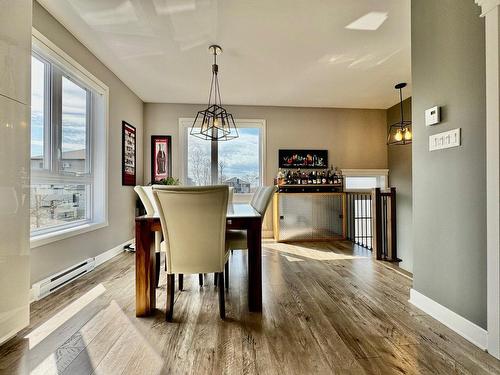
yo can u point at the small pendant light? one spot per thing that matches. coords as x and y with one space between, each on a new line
400 133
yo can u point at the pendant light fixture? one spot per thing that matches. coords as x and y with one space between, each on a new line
214 123
400 133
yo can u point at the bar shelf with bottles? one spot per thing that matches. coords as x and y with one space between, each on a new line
309 181
309 205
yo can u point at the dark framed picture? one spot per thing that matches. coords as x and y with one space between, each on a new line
128 154
161 157
303 159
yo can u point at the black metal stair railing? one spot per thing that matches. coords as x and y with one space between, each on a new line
371 222
359 219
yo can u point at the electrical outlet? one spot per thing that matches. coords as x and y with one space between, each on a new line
444 140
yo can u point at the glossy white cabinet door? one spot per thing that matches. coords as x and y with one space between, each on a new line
15 49
14 216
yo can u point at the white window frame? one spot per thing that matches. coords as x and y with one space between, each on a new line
98 138
187 123
382 183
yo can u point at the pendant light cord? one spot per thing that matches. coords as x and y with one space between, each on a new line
401 104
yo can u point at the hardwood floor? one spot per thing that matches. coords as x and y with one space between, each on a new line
327 308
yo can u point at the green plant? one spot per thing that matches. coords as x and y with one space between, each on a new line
168 181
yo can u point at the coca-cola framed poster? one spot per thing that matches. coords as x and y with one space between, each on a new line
161 157
128 154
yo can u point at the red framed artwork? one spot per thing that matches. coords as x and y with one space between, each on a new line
128 154
161 157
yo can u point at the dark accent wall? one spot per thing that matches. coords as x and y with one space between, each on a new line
399 164
449 186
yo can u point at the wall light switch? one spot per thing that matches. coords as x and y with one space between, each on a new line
445 140
433 116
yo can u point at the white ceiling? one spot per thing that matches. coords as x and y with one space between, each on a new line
276 52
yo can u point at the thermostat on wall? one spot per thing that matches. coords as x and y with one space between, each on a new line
432 116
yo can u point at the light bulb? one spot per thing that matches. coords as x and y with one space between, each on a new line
408 135
216 121
399 136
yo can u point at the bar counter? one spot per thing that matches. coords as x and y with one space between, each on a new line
309 213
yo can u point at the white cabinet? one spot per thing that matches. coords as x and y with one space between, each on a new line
15 73
15 49
14 217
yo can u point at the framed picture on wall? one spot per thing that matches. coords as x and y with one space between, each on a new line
161 157
303 158
128 154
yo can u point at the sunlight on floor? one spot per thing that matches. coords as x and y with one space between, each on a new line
41 332
108 343
289 250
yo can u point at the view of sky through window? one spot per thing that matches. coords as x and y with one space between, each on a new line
239 161
37 107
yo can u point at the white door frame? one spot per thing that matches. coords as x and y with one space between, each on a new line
490 10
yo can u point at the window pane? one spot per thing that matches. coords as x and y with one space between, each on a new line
239 164
74 127
37 113
360 182
199 172
58 204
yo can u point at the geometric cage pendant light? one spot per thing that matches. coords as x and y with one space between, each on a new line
400 133
214 123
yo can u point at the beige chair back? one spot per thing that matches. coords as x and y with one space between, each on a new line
263 199
146 201
231 195
145 194
256 195
194 221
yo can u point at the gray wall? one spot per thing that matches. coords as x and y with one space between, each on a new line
354 138
399 164
449 186
123 105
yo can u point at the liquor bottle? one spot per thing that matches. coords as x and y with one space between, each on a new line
323 177
309 178
319 178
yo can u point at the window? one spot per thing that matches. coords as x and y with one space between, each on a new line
364 179
68 145
238 163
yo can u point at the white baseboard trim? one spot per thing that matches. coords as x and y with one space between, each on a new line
111 253
99 259
465 328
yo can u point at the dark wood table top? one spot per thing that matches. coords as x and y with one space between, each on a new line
234 211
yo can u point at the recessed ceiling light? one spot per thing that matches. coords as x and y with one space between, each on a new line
371 21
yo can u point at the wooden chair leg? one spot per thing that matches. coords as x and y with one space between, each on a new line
222 306
157 268
226 275
170 296
215 279
200 279
181 281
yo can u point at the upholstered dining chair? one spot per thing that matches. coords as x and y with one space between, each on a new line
194 221
237 239
145 194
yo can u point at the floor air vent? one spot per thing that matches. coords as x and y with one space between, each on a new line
52 283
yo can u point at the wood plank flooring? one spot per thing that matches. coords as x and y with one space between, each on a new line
328 308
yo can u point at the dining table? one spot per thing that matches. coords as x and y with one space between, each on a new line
241 216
